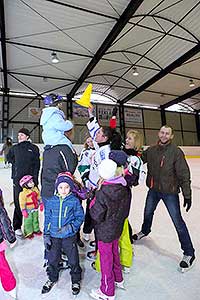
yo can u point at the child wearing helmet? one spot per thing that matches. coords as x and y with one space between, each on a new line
55 126
63 218
30 201
7 278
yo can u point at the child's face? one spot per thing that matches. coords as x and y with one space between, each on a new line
30 184
63 189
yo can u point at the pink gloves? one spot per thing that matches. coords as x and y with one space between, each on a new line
41 206
24 213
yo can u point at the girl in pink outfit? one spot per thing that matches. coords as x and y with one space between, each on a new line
109 209
7 278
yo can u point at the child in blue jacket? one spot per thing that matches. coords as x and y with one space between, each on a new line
54 124
63 218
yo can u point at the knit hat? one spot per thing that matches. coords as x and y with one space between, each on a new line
24 131
107 169
64 177
119 156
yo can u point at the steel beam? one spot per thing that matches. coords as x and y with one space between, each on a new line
119 25
3 45
181 98
177 63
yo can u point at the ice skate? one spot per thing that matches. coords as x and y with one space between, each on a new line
125 270
186 263
76 288
138 236
97 294
120 285
13 294
19 234
47 287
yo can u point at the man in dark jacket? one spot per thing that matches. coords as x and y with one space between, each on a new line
168 172
25 160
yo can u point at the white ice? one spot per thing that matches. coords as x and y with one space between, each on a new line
154 273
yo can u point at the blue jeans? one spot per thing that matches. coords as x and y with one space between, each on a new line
172 204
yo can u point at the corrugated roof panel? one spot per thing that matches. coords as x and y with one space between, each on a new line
172 84
22 21
104 67
191 22
133 37
174 12
64 17
91 36
144 75
169 50
113 8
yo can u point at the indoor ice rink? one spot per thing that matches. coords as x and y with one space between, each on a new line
155 264
141 56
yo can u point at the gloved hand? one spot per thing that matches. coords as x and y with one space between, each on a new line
65 228
24 213
41 206
187 203
114 111
47 242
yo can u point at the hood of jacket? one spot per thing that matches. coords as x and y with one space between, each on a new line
48 112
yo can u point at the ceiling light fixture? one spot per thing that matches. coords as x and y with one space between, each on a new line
135 71
191 84
54 58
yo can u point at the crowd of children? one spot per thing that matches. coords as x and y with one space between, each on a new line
108 170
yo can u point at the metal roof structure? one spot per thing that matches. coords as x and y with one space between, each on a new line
101 42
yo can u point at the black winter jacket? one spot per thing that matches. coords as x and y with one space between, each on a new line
25 160
168 170
111 208
6 230
56 159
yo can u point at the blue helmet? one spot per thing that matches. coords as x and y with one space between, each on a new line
52 98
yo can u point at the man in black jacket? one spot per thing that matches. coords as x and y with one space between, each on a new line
25 160
168 172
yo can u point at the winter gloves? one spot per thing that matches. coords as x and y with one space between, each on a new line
187 203
24 213
47 242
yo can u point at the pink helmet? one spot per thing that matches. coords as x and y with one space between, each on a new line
25 179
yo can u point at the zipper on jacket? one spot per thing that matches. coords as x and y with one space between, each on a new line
65 212
60 213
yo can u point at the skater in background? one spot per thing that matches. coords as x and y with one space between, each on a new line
7 277
5 149
63 218
30 201
25 159
109 209
105 139
168 172
84 164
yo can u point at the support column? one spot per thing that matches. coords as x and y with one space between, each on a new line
69 113
197 119
5 114
122 121
163 116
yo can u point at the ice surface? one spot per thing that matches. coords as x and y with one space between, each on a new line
154 274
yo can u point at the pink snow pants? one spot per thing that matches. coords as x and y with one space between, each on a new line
111 269
7 278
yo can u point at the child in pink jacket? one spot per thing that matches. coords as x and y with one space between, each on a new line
7 278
